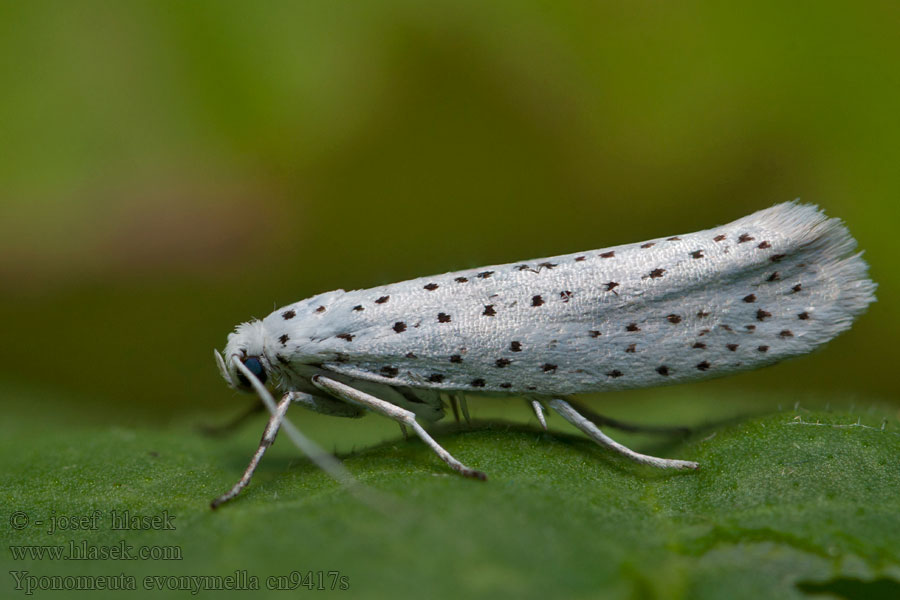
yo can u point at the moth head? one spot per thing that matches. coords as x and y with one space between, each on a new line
244 357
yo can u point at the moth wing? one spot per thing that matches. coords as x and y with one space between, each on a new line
768 286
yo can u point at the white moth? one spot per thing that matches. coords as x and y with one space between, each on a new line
766 287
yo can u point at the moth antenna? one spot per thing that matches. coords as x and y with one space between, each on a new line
220 362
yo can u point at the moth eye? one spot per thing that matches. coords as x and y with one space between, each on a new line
253 363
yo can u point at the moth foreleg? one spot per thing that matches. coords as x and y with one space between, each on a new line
571 415
268 438
401 415
229 427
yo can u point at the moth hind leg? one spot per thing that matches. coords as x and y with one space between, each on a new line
458 402
401 415
538 409
602 421
568 412
454 406
464 406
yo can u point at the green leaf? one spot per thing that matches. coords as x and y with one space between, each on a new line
787 505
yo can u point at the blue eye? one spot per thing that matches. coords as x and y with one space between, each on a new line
253 363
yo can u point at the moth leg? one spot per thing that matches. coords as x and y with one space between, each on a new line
230 426
575 418
326 405
401 415
454 405
539 413
464 405
268 438
601 421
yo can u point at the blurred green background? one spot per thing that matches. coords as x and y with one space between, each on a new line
170 169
